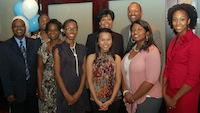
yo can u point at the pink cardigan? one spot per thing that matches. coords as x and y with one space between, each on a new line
144 66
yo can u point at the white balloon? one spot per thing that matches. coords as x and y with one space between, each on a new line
25 21
30 8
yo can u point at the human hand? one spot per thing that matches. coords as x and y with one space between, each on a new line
11 99
106 105
76 96
128 98
100 104
41 95
170 103
70 99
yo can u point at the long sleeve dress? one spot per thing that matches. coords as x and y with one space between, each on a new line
182 67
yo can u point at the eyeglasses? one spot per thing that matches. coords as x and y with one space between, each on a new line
69 29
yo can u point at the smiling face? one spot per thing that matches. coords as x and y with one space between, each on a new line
53 31
43 20
180 22
134 12
106 22
18 28
105 41
71 30
138 33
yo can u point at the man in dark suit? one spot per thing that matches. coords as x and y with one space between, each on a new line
105 18
18 73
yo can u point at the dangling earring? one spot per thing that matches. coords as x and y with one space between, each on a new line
132 41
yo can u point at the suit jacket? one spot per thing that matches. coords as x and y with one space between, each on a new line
126 36
117 39
156 37
12 68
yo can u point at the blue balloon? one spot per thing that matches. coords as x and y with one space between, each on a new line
33 23
18 9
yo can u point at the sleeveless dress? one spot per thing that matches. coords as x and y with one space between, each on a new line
48 82
71 79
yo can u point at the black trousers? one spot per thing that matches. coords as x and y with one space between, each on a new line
113 108
30 105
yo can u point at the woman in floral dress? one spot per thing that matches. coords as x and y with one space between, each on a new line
46 82
104 75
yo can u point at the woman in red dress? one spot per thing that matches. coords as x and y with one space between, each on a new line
181 78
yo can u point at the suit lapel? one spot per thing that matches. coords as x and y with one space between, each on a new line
127 36
15 47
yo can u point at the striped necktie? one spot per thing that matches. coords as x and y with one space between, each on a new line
25 59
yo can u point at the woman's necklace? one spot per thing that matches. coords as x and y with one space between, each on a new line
134 48
73 49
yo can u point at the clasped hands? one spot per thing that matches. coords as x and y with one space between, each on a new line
128 98
103 106
72 99
170 102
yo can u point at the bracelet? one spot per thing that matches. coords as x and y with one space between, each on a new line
125 91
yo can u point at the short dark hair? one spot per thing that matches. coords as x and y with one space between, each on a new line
43 14
137 4
97 48
190 11
104 12
53 21
147 28
66 22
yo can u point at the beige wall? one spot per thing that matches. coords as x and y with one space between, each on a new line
154 14
6 15
81 12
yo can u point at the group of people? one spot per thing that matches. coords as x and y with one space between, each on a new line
52 75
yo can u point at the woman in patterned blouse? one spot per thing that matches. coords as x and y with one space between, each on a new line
104 75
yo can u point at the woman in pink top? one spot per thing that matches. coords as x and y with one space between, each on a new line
141 68
181 76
